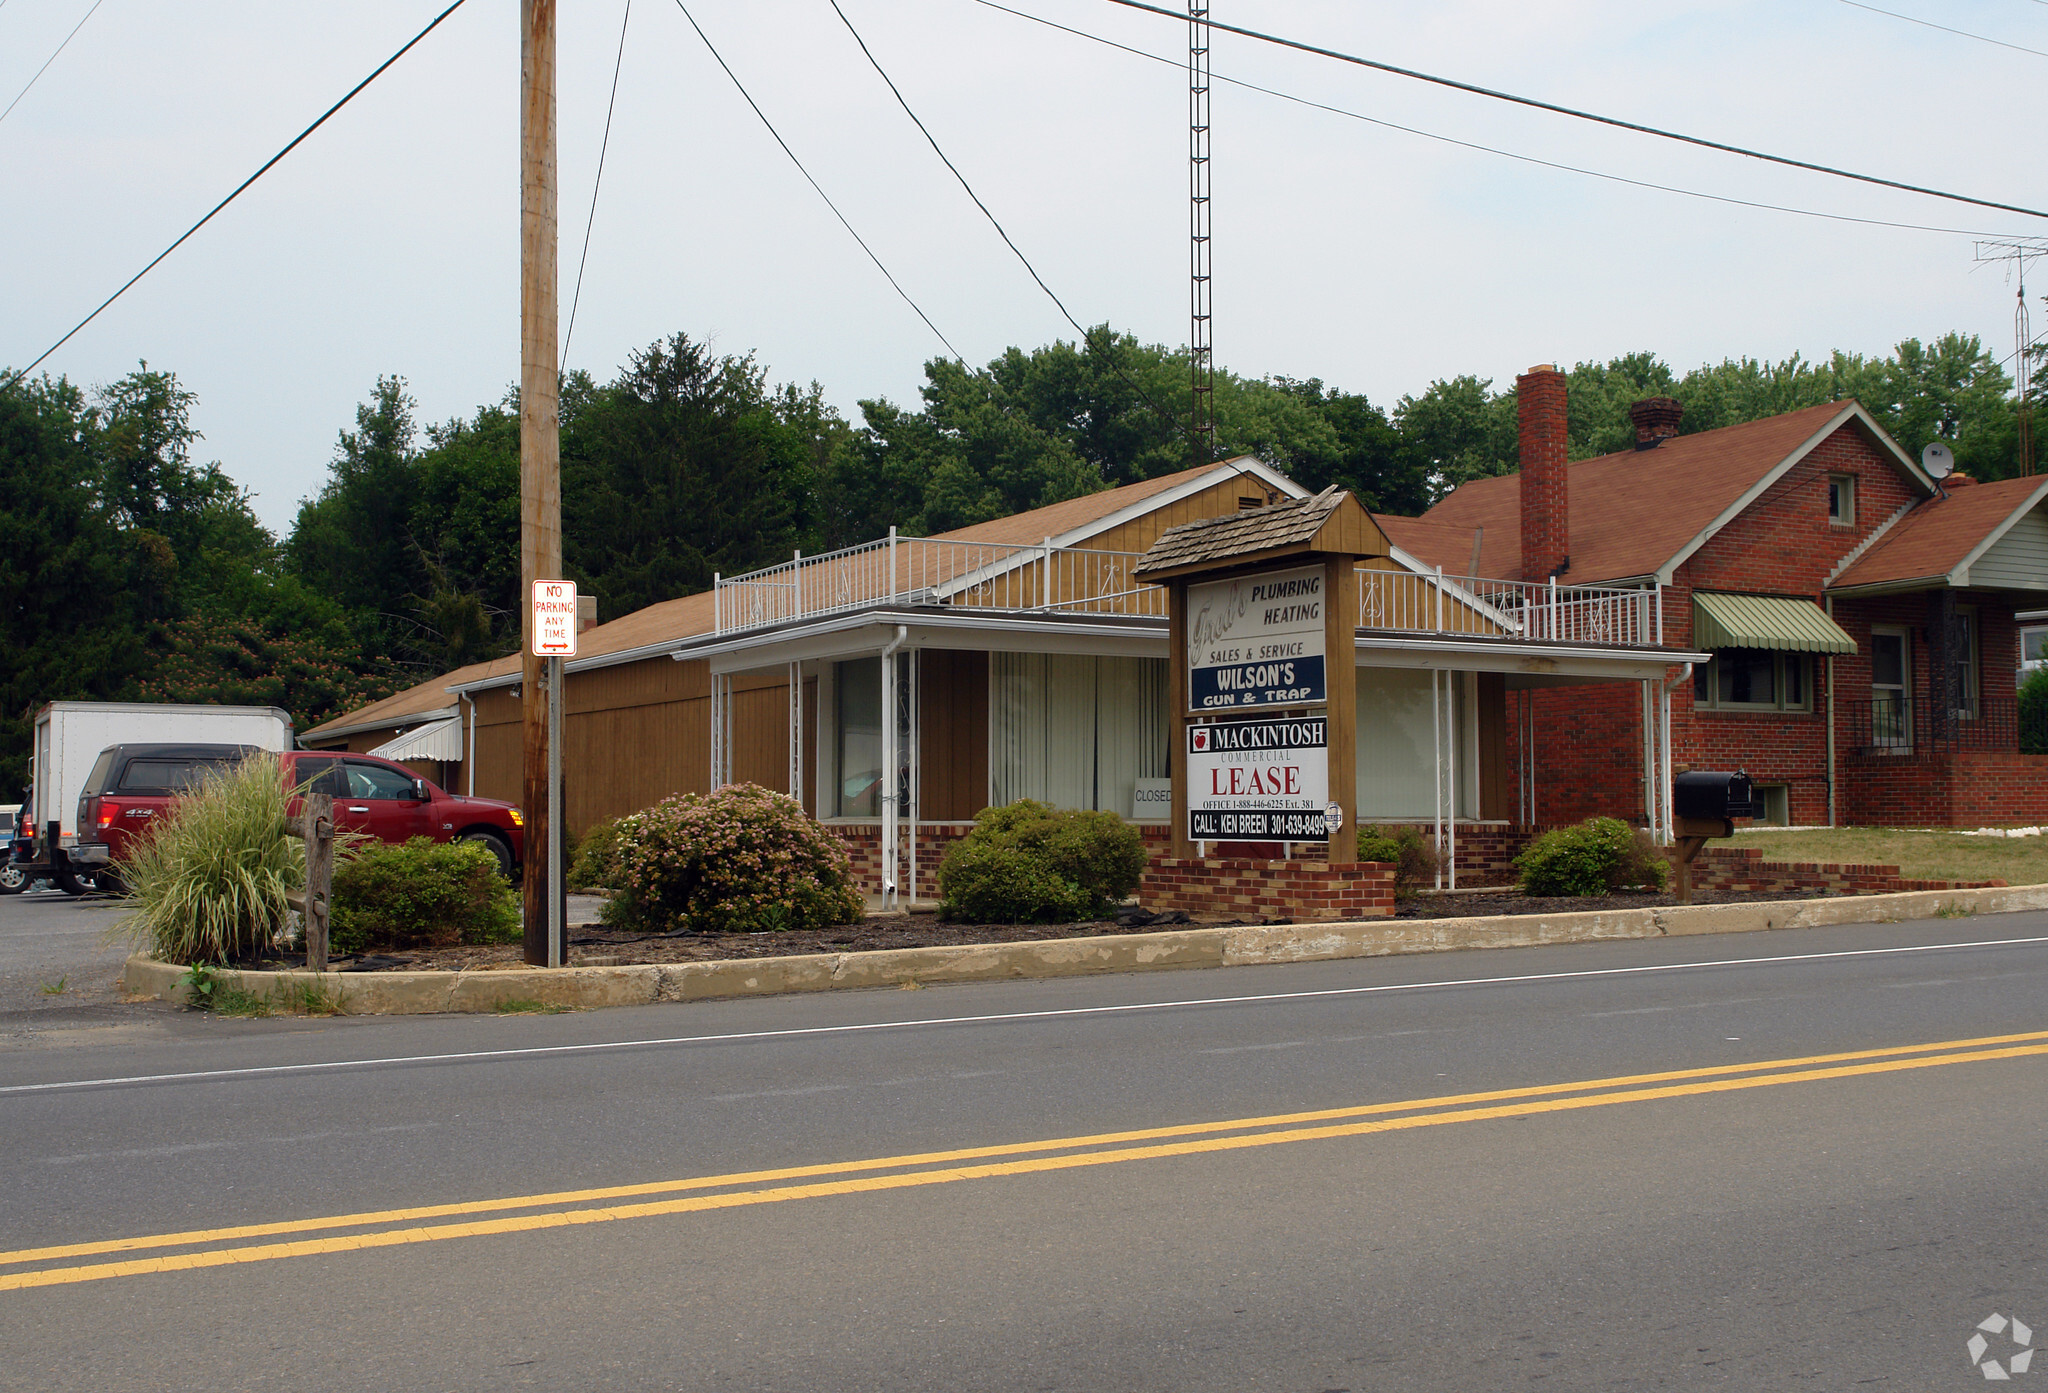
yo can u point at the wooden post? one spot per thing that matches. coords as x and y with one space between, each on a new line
317 815
1177 723
1340 679
540 472
1693 834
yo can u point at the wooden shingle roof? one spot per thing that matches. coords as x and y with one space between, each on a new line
1331 523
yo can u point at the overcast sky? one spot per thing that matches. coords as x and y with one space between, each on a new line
1374 259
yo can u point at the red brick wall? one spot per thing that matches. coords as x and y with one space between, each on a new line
1312 890
1541 426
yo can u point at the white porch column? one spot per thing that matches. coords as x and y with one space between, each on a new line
796 731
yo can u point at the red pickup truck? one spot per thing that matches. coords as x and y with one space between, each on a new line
132 784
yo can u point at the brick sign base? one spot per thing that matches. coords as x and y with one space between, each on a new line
1300 890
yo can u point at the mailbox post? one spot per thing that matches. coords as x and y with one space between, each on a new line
1706 805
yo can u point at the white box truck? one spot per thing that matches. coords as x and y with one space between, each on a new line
70 735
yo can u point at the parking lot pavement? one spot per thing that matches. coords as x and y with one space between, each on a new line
59 960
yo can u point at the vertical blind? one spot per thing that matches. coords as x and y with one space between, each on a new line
1074 731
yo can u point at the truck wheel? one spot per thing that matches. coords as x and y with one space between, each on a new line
500 848
13 879
107 883
70 882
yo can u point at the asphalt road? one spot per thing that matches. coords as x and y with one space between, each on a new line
1434 1172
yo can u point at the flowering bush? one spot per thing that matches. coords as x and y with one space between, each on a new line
1026 863
741 860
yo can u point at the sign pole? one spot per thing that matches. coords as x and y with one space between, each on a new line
1340 648
558 936
540 462
1177 699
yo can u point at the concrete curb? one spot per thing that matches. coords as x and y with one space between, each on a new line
585 988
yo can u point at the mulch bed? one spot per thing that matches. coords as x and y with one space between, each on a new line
591 944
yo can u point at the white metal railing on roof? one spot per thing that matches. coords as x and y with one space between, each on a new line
1045 578
1540 611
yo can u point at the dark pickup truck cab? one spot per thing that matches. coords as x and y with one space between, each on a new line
132 785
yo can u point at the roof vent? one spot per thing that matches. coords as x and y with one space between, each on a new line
1656 420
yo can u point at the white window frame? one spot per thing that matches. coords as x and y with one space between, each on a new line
1777 706
1845 516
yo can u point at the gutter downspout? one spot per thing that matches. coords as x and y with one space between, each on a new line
469 762
1834 819
892 861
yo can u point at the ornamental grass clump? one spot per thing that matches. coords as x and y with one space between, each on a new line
1026 863
741 860
207 881
1591 858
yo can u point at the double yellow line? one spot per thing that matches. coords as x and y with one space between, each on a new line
388 1228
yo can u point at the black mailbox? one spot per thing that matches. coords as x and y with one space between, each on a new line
1702 794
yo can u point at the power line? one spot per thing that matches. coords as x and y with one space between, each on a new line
1960 33
1086 336
51 59
1595 117
814 183
597 183
1492 149
239 188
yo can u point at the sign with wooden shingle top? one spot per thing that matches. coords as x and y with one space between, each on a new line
1332 523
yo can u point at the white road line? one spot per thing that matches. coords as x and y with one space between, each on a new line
533 1051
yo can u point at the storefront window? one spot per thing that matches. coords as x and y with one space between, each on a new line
1075 731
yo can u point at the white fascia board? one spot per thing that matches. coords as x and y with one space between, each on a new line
1453 656
399 723
1960 576
1852 412
1888 587
865 633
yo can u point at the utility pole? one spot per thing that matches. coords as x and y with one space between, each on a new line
540 444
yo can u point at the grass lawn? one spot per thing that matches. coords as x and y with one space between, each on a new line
1931 855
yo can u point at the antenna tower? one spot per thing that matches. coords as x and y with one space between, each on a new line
1201 363
2023 335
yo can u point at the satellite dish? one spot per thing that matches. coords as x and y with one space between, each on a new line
1938 460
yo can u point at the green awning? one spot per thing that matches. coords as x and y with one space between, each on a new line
1764 621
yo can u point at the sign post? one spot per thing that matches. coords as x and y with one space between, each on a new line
553 626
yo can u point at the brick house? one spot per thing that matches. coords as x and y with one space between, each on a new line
1860 615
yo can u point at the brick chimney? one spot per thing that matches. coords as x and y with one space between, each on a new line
1540 422
1656 421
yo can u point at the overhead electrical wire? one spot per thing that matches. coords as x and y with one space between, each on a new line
1179 63
597 183
51 59
1959 33
1085 334
296 140
1577 114
814 183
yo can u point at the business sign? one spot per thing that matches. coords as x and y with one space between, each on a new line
1259 780
1256 641
554 619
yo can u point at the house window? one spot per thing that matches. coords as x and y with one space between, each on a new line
1966 665
1842 499
1752 679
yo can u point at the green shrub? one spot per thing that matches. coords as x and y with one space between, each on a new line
2034 713
1413 858
741 860
421 895
1591 858
595 864
207 881
1026 863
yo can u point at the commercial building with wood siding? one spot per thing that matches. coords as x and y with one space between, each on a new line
1025 661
